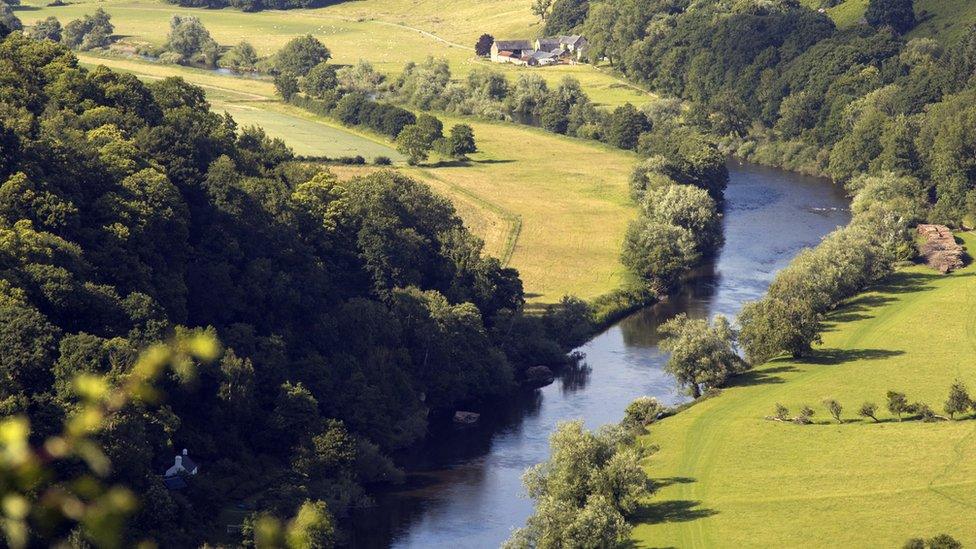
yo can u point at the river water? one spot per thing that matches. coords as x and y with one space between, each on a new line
464 489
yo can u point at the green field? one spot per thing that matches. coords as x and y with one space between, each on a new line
731 478
387 33
944 20
553 207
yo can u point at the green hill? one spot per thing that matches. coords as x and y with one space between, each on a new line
732 478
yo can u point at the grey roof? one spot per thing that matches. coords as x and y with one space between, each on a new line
174 482
548 44
570 40
189 464
511 45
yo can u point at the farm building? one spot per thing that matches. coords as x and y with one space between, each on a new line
542 51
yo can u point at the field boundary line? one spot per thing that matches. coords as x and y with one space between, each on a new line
514 220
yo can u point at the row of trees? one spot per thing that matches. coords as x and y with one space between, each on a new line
90 32
351 312
256 5
958 402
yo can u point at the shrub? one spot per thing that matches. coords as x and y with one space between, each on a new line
805 416
382 161
834 408
959 400
897 403
868 409
782 412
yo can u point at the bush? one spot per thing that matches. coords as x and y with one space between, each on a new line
382 161
868 409
834 408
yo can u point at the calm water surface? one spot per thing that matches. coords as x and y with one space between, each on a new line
464 489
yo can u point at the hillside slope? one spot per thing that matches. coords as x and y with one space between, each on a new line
732 478
944 20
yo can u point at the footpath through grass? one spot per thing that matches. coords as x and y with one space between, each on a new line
732 479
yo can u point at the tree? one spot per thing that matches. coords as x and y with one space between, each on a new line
625 125
461 141
959 400
190 39
702 356
241 57
413 142
868 409
834 408
688 207
584 492
300 55
312 527
657 254
772 326
92 31
565 16
897 14
431 127
483 47
286 84
943 541
8 20
541 8
47 29
897 403
320 80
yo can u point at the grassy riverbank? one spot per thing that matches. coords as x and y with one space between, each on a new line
731 478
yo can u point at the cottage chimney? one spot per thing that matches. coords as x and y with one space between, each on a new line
184 451
179 461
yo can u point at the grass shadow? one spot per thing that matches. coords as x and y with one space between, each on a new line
839 356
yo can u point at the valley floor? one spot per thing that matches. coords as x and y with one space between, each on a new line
731 478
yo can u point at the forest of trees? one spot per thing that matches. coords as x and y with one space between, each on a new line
784 86
350 313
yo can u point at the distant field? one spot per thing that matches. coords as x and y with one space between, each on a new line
388 33
733 479
555 208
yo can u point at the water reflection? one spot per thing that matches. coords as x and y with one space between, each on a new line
464 485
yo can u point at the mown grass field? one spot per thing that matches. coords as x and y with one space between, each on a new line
553 207
732 479
387 33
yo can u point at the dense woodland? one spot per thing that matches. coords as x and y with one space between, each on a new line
351 313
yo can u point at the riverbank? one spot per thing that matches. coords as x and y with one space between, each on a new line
466 483
728 477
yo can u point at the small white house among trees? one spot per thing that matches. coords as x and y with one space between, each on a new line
541 51
182 465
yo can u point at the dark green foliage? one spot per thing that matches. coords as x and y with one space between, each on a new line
286 84
897 14
47 29
483 47
320 81
626 124
348 310
9 22
565 16
92 31
300 55
460 142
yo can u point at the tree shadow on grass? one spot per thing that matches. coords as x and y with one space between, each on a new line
904 282
494 161
839 356
765 376
675 510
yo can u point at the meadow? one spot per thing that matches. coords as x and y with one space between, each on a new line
387 33
560 223
729 477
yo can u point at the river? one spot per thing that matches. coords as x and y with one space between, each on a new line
464 489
